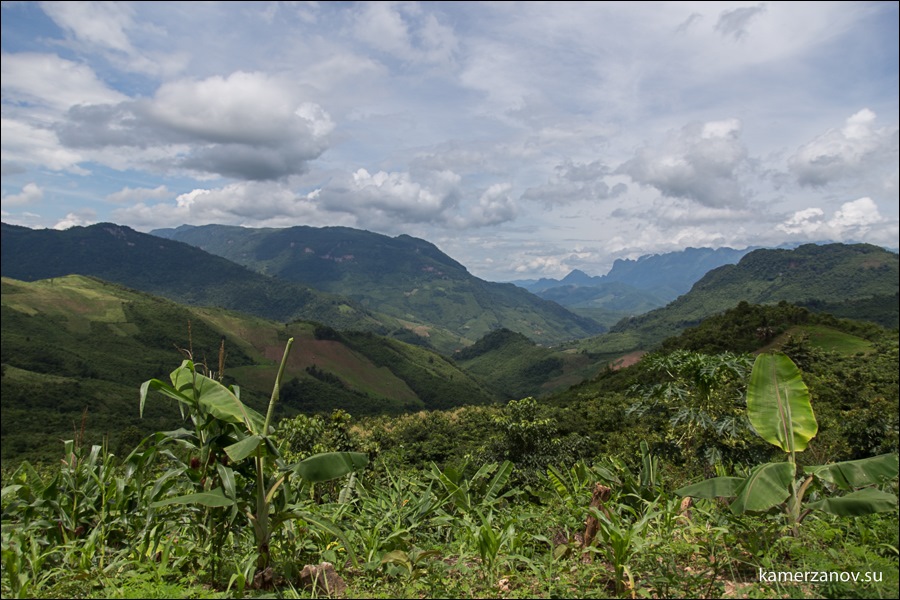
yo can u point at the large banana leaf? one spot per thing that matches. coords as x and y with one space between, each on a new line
213 498
330 465
193 389
766 486
854 474
717 487
778 403
863 502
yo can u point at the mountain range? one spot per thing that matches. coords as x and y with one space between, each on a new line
345 278
403 277
85 321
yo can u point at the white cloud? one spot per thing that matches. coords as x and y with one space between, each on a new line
387 198
849 152
246 126
30 194
241 203
51 81
851 222
495 206
699 162
23 144
79 219
101 24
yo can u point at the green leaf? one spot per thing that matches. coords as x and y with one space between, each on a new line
766 486
853 474
244 448
330 465
717 487
863 502
778 403
498 481
217 399
213 498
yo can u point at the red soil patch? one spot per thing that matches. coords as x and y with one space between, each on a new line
627 360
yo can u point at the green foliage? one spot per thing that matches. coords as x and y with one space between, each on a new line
779 409
237 441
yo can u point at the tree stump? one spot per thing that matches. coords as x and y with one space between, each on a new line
599 497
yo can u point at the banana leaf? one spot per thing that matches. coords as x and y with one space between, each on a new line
778 403
862 502
854 474
717 487
213 498
330 465
766 486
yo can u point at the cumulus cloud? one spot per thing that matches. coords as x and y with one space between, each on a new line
392 197
856 148
247 126
700 162
852 221
77 219
31 194
495 206
239 203
575 182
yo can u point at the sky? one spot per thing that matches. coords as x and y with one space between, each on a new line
525 140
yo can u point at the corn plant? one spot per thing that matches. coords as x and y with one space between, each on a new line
779 409
232 439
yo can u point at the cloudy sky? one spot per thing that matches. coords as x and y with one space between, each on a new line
524 140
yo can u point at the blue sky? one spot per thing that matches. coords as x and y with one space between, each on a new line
523 139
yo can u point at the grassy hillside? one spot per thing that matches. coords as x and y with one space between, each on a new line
74 344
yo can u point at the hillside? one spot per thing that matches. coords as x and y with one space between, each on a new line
516 367
407 278
74 344
173 270
830 275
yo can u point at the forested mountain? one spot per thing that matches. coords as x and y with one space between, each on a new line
404 277
837 276
72 344
173 270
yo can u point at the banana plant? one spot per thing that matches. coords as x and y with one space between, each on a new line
223 423
779 409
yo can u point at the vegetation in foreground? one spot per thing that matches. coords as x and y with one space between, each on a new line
527 513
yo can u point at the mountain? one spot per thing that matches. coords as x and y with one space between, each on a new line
170 269
76 345
405 277
829 275
633 286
